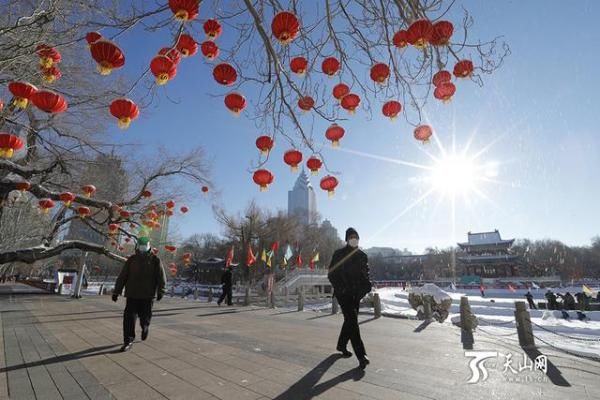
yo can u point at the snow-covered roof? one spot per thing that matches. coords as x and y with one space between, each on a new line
485 239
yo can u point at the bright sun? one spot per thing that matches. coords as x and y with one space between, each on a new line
454 174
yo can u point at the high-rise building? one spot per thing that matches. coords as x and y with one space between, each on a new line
302 201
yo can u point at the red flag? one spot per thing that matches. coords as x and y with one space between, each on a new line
275 246
511 288
229 257
250 258
299 261
311 265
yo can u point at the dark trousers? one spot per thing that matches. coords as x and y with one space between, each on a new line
531 304
350 330
226 293
136 308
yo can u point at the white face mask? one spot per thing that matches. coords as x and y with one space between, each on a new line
144 247
353 242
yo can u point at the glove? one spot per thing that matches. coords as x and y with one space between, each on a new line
159 296
115 297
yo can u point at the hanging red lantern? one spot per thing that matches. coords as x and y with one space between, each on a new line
400 39
184 10
113 228
124 214
146 194
22 92
108 56
67 198
184 209
380 73
51 74
45 205
285 27
340 90
391 109
173 54
9 144
350 102
442 32
163 69
298 65
419 33
49 101
186 45
23 186
170 204
212 28
263 178
225 74
115 208
169 213
92 37
210 50
83 212
330 66
314 164
306 103
204 189
170 248
440 77
125 110
89 190
423 133
463 69
264 144
445 91
329 183
292 158
48 55
335 133
235 103
1 105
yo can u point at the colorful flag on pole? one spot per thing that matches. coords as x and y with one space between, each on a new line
534 285
270 253
288 253
269 262
313 260
250 257
275 246
284 262
263 255
299 260
587 290
229 259
511 288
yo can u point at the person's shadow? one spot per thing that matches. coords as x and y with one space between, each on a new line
308 387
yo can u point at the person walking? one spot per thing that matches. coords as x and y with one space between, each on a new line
143 278
529 297
227 282
349 277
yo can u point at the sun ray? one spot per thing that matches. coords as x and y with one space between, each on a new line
382 158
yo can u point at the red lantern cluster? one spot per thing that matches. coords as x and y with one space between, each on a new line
67 198
225 74
51 74
83 212
400 39
391 109
299 65
330 66
45 205
163 69
340 90
170 248
442 32
329 183
264 144
146 194
212 28
305 103
92 37
419 33
89 190
285 27
49 101
441 77
113 228
173 54
187 259
186 45
335 133
107 55
184 10
235 103
23 186
204 189
444 91
463 69
9 144
22 92
210 50
350 102
263 178
184 209
48 55
292 158
380 73
423 133
170 204
314 164
125 110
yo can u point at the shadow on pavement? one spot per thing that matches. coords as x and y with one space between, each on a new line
120 315
553 373
366 321
308 387
320 316
423 325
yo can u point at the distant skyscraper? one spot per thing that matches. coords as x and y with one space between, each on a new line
302 201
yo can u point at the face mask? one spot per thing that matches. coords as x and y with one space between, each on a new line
353 242
144 247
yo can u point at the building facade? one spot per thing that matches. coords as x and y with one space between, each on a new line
302 201
487 255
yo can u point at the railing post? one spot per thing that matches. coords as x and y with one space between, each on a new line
285 294
210 295
272 299
247 296
334 304
301 299
427 306
100 291
524 329
377 305
195 293
466 326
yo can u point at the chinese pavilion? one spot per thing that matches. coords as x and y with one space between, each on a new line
487 255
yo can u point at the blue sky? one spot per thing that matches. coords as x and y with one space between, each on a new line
540 111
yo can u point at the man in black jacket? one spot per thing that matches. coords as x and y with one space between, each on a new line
143 277
349 276
227 281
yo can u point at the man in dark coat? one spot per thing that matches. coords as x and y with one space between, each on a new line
529 297
551 297
227 282
143 277
349 276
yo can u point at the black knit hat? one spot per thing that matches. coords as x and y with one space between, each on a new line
351 232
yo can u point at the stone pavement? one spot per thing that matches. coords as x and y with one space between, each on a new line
59 348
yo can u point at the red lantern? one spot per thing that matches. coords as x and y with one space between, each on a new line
314 164
23 186
45 205
463 69
1 105
113 228
263 178
391 109
155 251
204 189
170 248
146 194
67 198
163 68
340 90
173 54
235 103
335 133
89 190
380 73
264 144
84 212
170 204
400 39
210 50
298 65
51 74
330 66
22 92
292 158
423 133
125 110
184 10
169 213
49 101
184 209
9 144
48 55
445 91
186 45
124 214
329 183
350 102
419 33
212 28
306 103
440 77
127 240
225 74
285 27
108 56
442 32
92 37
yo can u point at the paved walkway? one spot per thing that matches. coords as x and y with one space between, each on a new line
59 348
